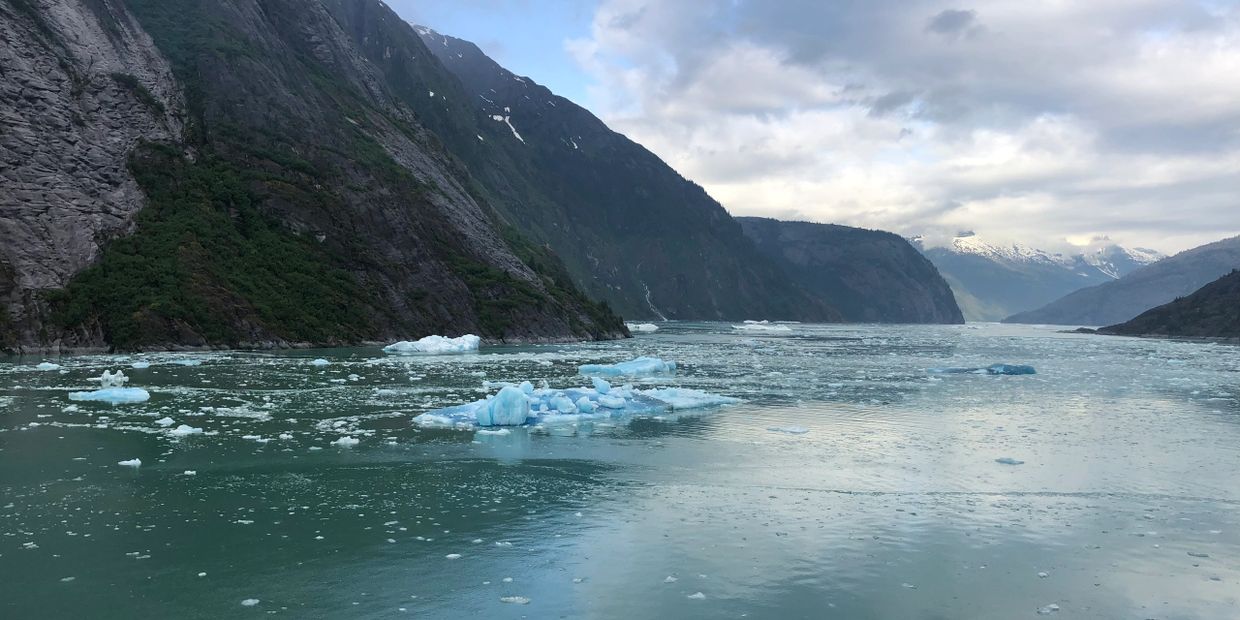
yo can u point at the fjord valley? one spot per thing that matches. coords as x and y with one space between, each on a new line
619 309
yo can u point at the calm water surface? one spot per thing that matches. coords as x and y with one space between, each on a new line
889 504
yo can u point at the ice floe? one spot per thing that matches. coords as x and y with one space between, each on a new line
112 390
130 463
435 345
47 366
319 362
1007 460
994 369
642 328
639 367
761 326
515 406
346 442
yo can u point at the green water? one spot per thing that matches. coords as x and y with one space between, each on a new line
889 504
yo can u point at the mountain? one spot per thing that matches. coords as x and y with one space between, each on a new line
992 281
871 276
630 229
239 173
1145 288
1211 312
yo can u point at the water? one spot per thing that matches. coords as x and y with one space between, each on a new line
878 494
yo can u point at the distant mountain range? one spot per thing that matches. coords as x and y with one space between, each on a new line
870 275
992 281
1151 286
1211 312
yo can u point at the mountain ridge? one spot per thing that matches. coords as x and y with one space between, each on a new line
1212 312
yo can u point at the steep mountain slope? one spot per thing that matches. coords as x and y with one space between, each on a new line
302 202
629 228
870 275
1211 312
1145 288
993 281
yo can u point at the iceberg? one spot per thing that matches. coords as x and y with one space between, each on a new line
141 365
761 326
47 366
184 430
546 405
319 362
642 328
994 369
435 345
640 367
113 391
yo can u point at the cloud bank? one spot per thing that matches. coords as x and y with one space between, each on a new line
1038 121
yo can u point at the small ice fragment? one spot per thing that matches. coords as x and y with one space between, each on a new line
140 365
435 345
1048 610
67 579
319 362
131 463
791 430
190 472
202 574
47 366
697 596
669 579
644 328
165 421
601 385
611 402
1198 554
453 556
249 602
526 388
346 442
1043 575
185 429
1007 460
909 586
515 600
285 436
493 431
585 406
761 326
506 580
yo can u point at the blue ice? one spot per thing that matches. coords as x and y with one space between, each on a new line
994 369
640 367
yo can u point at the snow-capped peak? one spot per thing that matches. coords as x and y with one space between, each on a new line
968 242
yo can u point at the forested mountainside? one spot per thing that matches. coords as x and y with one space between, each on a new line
1212 312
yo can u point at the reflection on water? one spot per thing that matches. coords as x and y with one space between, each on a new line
887 502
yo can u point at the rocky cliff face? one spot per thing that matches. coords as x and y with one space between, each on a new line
630 229
871 276
299 200
80 85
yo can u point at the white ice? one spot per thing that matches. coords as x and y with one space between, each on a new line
435 345
131 463
184 430
112 391
47 366
644 328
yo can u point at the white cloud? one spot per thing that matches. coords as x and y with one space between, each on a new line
1032 120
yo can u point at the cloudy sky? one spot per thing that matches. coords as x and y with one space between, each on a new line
1024 120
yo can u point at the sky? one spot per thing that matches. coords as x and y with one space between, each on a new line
1049 122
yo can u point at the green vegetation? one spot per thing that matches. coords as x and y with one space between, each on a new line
204 260
138 90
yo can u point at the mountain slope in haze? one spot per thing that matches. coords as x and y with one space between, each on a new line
1211 312
1145 288
630 229
993 281
277 191
871 276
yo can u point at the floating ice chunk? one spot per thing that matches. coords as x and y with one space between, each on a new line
697 596
526 388
644 328
249 602
191 472
791 430
496 431
453 556
563 404
112 391
165 421
1043 575
684 398
995 369
184 430
1007 460
140 365
761 326
514 600
640 367
189 362
319 362
585 406
510 407
47 366
611 402
1048 610
670 579
601 385
346 442
131 463
435 345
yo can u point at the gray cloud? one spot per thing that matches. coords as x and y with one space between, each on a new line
1031 120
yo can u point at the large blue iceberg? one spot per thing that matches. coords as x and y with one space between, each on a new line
516 405
640 367
995 369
